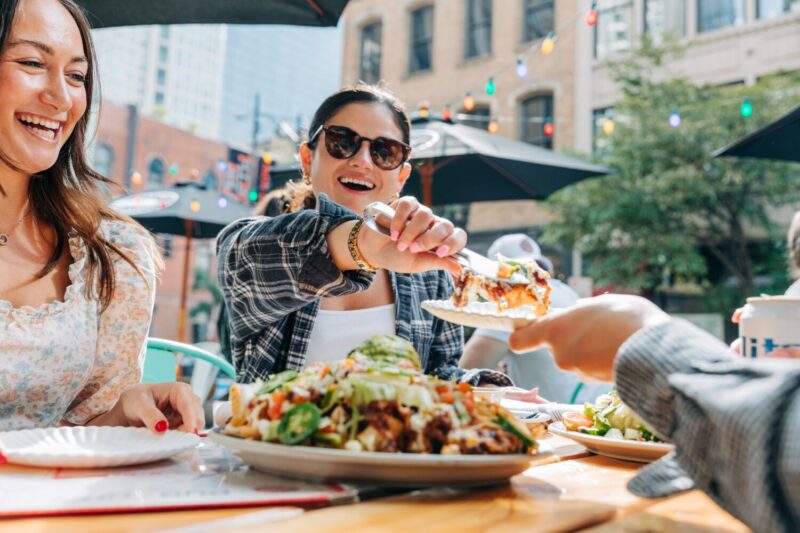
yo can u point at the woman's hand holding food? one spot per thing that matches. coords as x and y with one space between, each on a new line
420 241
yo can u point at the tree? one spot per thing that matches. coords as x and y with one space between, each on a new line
670 208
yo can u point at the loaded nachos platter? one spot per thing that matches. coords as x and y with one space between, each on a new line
375 408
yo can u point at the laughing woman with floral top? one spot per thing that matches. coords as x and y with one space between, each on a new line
78 280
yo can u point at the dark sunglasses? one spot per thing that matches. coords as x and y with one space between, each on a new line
344 143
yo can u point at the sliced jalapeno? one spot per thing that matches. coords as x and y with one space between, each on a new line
299 423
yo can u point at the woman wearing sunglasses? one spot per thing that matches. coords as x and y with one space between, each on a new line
311 284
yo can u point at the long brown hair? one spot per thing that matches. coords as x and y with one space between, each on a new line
302 192
66 196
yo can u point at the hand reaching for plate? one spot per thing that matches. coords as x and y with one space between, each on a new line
157 406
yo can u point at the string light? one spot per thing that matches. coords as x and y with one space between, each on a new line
549 128
266 157
609 125
493 126
674 118
195 206
253 196
469 102
222 202
746 110
136 178
174 169
592 15
490 88
447 113
522 68
549 43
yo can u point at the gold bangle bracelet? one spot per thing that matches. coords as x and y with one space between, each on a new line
355 253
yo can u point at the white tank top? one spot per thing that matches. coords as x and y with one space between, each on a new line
335 333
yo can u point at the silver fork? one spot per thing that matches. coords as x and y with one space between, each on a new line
472 260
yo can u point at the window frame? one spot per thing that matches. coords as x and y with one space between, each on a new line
362 56
471 28
542 6
415 41
525 119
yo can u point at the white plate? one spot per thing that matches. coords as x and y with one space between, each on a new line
91 447
394 469
480 314
629 450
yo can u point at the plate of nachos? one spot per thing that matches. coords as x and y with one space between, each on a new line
375 417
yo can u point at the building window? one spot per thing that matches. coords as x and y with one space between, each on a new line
161 77
535 112
716 14
155 172
478 28
370 71
421 39
210 180
159 98
602 128
163 53
164 241
612 33
477 118
664 17
770 9
165 32
538 20
103 160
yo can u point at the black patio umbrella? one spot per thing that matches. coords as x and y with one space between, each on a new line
454 163
187 209
108 13
777 140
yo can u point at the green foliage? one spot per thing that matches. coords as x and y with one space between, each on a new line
668 198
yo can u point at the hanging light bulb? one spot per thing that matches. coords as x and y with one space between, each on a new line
469 102
222 202
609 125
549 43
549 129
591 15
253 196
522 68
136 178
746 110
424 109
674 118
493 126
447 113
194 206
490 87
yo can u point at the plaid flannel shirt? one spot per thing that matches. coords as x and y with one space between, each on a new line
273 273
735 422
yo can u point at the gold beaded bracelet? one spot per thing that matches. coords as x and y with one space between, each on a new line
355 253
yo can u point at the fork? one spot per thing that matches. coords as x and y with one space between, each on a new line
468 259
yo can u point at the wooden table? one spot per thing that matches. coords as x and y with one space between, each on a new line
569 490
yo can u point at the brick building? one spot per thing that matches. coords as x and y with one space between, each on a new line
138 153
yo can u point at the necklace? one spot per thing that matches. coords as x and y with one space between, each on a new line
4 236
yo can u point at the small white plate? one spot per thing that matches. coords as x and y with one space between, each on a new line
629 450
480 314
393 469
91 447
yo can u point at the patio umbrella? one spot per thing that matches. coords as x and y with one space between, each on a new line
187 209
777 140
454 163
108 13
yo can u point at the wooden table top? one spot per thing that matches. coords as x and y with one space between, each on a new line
571 490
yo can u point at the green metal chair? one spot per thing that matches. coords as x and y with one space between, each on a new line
160 365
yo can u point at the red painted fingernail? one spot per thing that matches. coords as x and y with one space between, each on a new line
161 426
3 459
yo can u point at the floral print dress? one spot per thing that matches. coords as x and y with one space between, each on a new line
65 361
